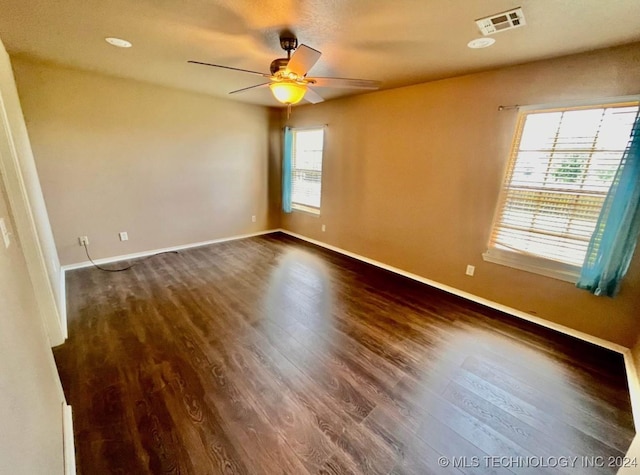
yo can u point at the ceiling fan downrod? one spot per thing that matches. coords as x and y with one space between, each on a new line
289 44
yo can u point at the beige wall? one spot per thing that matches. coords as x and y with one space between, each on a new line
30 394
411 178
411 175
167 166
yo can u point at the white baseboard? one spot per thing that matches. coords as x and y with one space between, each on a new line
69 450
632 375
110 260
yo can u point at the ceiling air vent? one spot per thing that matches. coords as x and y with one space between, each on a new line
501 21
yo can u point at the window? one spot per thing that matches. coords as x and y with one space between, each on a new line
306 169
562 164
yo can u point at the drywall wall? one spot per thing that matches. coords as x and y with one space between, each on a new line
25 195
167 166
411 178
30 393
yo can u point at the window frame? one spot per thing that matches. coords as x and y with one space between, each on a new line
539 265
301 207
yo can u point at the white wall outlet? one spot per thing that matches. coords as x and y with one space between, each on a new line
253 218
6 235
124 236
324 227
470 270
83 240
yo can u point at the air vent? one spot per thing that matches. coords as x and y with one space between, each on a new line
501 21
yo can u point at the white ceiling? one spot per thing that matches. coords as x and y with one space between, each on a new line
398 42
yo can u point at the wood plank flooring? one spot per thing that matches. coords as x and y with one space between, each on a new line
272 356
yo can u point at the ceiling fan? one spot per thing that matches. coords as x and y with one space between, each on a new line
288 80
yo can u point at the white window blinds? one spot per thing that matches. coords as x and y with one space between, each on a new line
306 182
562 164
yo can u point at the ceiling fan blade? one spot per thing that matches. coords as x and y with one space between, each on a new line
250 87
344 82
302 60
312 96
232 69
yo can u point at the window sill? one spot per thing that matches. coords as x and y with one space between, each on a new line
306 209
536 265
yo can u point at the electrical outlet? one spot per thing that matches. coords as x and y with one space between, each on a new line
470 270
5 233
124 236
324 228
83 240
253 218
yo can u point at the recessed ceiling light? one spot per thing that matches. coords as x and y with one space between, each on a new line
119 42
481 43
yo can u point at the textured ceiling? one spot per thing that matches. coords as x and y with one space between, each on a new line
398 42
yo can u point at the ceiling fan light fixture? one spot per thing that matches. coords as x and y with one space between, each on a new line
288 80
288 92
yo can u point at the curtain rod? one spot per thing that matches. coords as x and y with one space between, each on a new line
507 108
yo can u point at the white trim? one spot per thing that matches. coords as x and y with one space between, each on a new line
27 231
632 455
474 298
68 445
310 210
63 303
310 127
536 265
634 386
109 260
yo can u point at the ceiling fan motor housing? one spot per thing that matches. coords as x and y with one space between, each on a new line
279 64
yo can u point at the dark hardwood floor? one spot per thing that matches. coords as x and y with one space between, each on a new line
269 356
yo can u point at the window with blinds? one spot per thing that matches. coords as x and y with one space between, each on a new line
306 180
562 164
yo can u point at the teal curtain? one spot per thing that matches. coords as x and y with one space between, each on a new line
287 158
614 240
